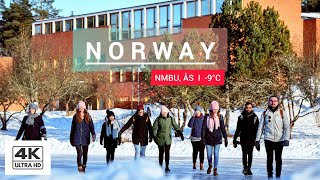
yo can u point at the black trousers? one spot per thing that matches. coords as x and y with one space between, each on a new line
164 150
110 154
197 146
277 147
247 150
82 151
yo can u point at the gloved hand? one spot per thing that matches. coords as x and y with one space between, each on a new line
150 139
93 138
119 141
181 135
235 144
226 142
101 143
257 145
44 136
285 143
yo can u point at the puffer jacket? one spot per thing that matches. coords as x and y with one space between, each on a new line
273 126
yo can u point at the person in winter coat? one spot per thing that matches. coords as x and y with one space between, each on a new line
32 126
162 130
81 128
212 131
195 123
247 127
109 135
275 126
141 126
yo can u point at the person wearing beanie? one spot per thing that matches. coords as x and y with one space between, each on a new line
81 127
162 130
141 127
247 127
32 126
109 135
213 129
195 123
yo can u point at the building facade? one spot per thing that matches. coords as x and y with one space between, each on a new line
148 21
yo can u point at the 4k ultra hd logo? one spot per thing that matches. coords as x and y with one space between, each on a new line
28 158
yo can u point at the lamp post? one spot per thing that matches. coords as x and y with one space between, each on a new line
140 67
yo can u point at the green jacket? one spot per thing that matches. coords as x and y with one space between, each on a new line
162 130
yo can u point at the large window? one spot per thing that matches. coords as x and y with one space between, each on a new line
91 22
38 29
102 20
177 15
58 26
115 75
80 22
205 7
219 5
151 21
69 25
48 28
126 25
138 23
126 74
114 26
164 19
192 9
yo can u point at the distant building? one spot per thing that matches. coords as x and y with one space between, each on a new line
152 20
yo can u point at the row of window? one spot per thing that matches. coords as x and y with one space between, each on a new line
151 19
125 75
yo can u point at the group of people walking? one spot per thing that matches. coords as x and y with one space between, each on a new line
207 132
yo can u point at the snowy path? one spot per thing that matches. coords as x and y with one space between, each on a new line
126 168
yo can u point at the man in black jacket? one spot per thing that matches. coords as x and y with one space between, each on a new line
247 127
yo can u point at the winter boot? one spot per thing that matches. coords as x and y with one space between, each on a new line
84 168
80 169
245 171
167 169
215 172
194 165
249 172
201 166
209 169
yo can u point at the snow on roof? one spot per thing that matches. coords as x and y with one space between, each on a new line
310 15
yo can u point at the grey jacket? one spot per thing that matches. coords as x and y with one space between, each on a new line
273 126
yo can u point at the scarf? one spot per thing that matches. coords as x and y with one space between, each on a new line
30 119
115 130
213 123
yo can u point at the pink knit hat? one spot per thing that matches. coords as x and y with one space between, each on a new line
214 105
164 109
80 105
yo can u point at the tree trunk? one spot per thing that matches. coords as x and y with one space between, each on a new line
4 120
185 114
227 116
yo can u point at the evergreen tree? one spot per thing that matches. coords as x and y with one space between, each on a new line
16 18
43 9
310 6
253 35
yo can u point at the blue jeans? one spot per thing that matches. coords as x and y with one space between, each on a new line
216 154
140 151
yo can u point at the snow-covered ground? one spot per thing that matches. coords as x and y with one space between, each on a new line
305 142
303 152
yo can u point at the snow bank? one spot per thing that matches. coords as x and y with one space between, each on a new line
305 142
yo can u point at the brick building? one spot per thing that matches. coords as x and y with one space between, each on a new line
152 20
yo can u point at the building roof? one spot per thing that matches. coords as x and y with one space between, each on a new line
310 15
